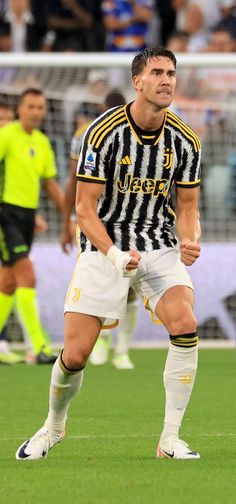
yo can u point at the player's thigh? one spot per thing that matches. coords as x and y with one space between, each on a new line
81 333
175 310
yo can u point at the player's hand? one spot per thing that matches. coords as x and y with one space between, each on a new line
125 262
135 259
40 225
189 251
67 238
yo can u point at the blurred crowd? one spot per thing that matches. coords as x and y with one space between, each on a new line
117 25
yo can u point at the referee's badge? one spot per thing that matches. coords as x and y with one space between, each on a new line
32 152
168 158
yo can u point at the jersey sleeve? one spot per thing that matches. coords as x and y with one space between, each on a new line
50 169
189 173
91 166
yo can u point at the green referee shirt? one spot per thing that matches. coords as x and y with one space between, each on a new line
25 159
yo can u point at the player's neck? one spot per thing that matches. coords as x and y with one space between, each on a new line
28 129
146 117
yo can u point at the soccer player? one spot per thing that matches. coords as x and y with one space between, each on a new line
101 351
27 158
6 356
126 240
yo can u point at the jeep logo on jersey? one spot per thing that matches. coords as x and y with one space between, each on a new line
168 158
146 186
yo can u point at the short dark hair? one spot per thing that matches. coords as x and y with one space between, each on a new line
29 91
114 99
142 58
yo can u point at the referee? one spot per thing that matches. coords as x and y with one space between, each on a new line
26 158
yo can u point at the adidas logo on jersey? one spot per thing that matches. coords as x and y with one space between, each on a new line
125 161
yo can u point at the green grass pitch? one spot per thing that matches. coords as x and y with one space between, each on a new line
108 455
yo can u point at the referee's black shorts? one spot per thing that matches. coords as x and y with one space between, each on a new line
16 232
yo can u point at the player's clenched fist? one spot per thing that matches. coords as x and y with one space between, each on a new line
125 262
189 251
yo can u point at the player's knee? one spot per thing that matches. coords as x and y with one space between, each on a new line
185 324
7 284
24 273
30 278
75 359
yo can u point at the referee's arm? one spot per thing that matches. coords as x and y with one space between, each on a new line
54 192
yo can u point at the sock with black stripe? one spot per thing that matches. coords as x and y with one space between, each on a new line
179 376
64 386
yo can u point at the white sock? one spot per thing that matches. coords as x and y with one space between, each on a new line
63 387
179 376
126 328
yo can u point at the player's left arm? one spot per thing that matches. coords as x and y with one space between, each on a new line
188 223
54 192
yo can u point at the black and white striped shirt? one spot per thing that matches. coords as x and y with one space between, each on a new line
138 169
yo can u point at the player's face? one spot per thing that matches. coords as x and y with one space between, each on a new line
32 111
6 116
157 82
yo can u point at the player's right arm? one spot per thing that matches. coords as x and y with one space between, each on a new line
87 197
92 173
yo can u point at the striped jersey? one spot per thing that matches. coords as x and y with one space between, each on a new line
138 170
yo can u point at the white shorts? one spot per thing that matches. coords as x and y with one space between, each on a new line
96 287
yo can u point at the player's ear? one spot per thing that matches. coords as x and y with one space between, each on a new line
137 82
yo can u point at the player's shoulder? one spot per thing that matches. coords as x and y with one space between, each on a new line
105 125
9 128
185 131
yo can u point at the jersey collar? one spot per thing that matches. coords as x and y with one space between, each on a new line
143 137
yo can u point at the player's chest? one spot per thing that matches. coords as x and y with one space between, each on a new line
29 153
146 169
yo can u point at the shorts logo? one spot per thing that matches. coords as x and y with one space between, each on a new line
20 248
168 158
145 186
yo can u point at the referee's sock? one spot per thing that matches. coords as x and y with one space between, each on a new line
27 309
6 306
